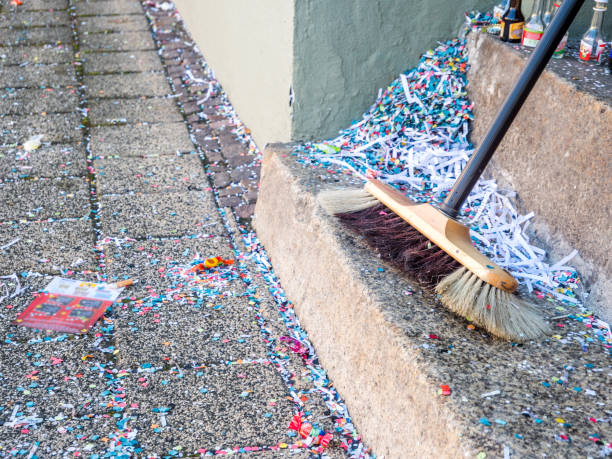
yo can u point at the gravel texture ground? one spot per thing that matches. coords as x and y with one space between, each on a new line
138 177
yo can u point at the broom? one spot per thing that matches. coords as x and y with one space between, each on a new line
430 244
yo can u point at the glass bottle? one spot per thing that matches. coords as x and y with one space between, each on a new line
593 42
534 27
549 11
512 23
560 51
499 10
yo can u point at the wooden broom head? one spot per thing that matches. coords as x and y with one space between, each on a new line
448 234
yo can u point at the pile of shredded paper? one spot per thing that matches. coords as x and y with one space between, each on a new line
415 137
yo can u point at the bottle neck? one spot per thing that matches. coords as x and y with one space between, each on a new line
537 7
598 16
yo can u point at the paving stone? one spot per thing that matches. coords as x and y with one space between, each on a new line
121 111
140 140
112 24
63 437
170 54
178 83
85 8
37 101
230 201
47 247
38 18
217 331
212 156
129 85
202 135
36 36
167 22
135 61
148 175
42 199
194 118
239 160
245 211
175 70
175 45
56 385
55 128
47 161
36 76
190 108
231 146
31 5
159 215
50 391
48 54
230 191
221 180
237 405
151 262
251 196
201 129
123 41
207 142
246 175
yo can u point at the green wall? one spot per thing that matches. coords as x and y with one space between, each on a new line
345 50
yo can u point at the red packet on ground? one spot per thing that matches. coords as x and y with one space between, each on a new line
68 305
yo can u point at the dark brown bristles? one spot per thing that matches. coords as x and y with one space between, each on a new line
400 244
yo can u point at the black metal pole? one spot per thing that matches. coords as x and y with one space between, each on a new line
513 103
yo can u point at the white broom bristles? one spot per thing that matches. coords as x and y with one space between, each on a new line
346 200
501 313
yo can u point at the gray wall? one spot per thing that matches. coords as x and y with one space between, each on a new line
345 50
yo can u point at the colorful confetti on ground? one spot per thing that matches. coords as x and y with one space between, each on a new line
195 359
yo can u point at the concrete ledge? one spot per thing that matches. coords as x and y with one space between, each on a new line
556 156
376 340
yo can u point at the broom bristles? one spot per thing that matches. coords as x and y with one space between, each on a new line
399 243
346 201
499 312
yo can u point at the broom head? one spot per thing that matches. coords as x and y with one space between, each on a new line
421 240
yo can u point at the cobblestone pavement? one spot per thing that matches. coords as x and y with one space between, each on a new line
143 172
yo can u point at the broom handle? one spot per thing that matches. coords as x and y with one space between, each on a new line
513 103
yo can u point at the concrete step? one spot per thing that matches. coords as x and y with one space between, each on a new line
557 155
389 345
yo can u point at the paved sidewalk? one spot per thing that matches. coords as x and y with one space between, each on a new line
144 171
